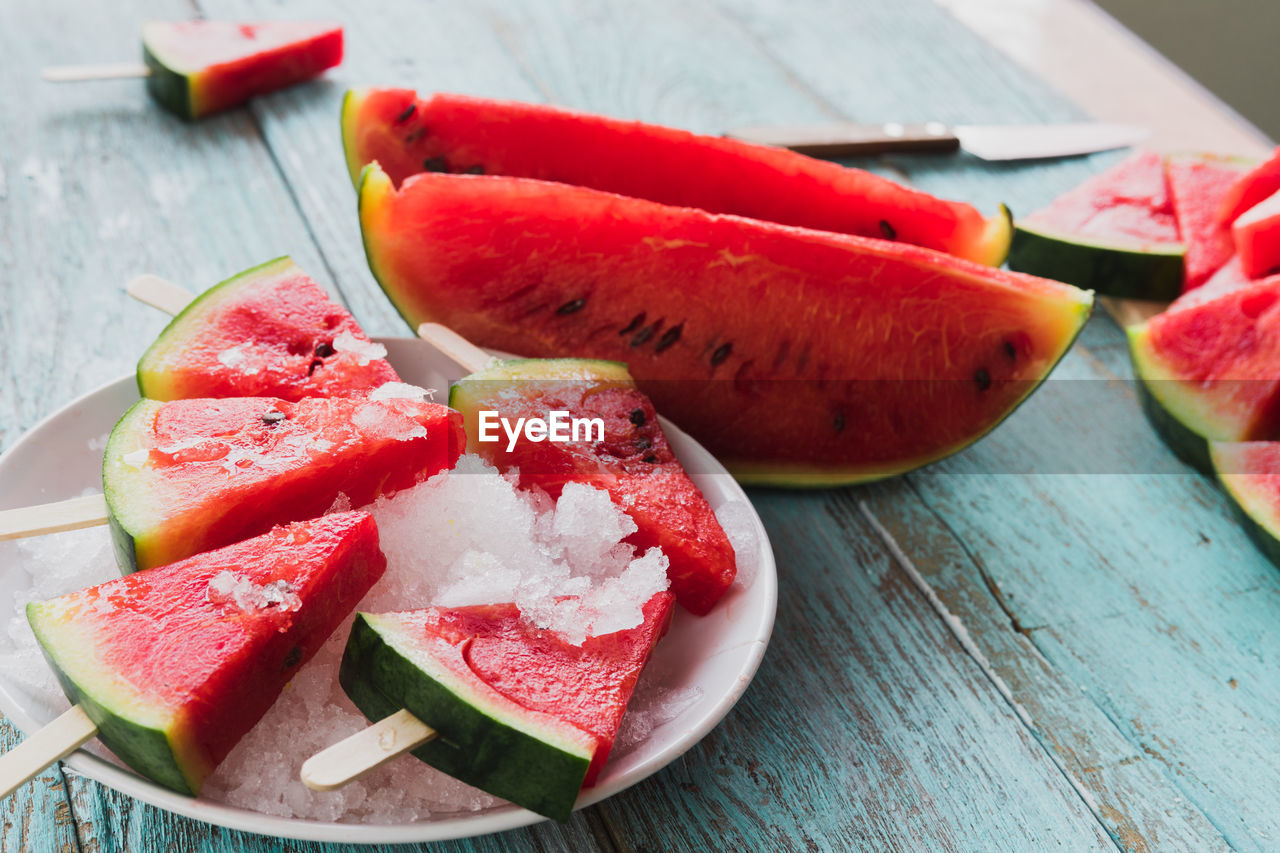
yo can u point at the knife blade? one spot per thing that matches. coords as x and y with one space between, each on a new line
989 142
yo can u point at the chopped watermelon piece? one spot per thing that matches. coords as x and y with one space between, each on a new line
176 664
1257 237
1198 185
455 133
189 475
797 357
1114 233
1250 473
1209 369
520 713
268 332
1259 183
202 67
629 458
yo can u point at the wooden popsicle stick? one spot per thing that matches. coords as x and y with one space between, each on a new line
160 293
455 346
53 742
349 759
104 71
73 514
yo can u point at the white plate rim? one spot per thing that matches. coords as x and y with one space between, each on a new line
464 825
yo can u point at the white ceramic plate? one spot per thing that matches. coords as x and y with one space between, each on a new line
717 653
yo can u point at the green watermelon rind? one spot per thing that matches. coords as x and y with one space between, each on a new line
517 369
530 758
1152 272
142 744
171 89
1257 515
186 324
123 486
351 102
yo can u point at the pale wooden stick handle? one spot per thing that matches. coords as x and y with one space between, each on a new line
160 293
349 759
55 741
455 346
74 514
105 71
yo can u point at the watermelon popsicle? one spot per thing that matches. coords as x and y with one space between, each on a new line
479 693
195 68
171 667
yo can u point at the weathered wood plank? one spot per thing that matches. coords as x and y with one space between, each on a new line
37 816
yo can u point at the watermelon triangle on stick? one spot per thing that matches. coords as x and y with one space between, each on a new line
171 667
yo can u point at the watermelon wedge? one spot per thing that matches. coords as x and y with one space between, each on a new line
268 332
629 458
1115 233
1208 369
1250 473
798 357
202 67
1256 234
1198 185
176 664
189 475
1250 189
407 134
520 713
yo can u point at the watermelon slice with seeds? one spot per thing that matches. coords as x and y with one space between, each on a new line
268 332
628 458
520 712
188 475
176 664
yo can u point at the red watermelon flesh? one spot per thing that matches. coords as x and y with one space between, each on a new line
1256 234
588 685
188 475
176 664
406 135
201 67
633 462
798 357
1128 203
1198 185
1252 188
268 332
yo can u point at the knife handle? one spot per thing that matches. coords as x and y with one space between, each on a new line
845 139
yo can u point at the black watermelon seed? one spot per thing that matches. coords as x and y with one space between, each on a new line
293 658
889 232
669 337
435 164
407 114
637 417
643 443
324 349
650 458
633 325
721 353
414 135
473 170
1010 350
839 422
643 335
983 378
571 306
272 417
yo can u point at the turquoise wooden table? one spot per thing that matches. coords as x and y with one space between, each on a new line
1055 640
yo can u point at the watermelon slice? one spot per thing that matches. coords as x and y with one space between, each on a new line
268 332
1198 184
1258 184
1256 234
455 133
189 475
1114 233
798 357
1250 473
1208 369
520 713
629 458
176 664
202 67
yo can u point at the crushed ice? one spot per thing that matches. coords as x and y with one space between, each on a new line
237 358
401 391
242 593
364 351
